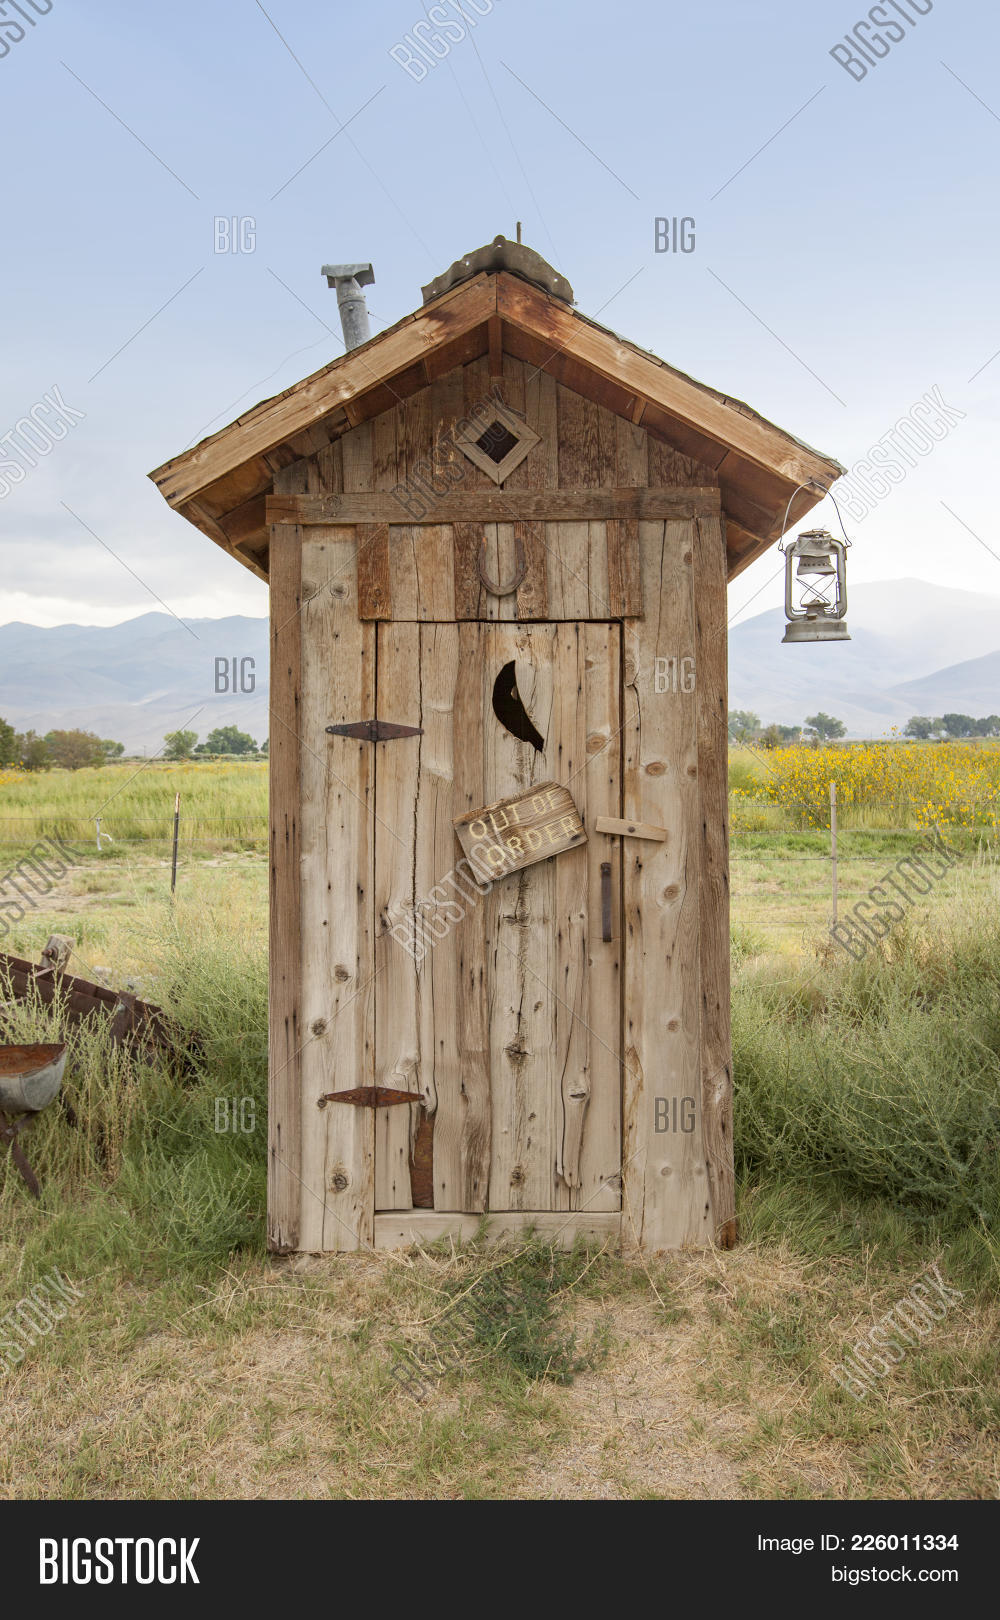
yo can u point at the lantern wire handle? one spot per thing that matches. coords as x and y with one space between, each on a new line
810 483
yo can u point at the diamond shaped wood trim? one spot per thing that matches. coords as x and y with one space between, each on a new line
468 442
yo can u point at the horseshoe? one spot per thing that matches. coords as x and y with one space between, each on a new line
521 570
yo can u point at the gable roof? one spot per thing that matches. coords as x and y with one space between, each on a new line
221 484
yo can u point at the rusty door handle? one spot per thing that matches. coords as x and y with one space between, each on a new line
606 901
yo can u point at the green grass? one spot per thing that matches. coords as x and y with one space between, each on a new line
223 807
867 1133
881 1078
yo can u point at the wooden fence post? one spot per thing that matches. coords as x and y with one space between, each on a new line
833 844
177 823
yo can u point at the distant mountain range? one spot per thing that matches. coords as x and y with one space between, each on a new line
134 681
915 649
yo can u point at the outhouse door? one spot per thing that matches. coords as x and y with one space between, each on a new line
498 1004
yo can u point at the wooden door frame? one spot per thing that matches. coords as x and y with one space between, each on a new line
657 1228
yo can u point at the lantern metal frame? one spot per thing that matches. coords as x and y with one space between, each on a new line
817 618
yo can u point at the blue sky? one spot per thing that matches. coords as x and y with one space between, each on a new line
843 265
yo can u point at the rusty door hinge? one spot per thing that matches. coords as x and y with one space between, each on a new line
373 1097
375 730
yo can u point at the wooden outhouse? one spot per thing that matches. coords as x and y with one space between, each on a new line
498 538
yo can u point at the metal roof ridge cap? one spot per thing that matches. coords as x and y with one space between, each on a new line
495 257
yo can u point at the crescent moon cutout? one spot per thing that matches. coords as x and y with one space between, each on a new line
510 711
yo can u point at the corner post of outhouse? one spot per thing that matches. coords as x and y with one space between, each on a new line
711 683
284 1157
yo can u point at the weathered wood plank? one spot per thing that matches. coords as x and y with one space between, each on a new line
415 454
434 570
478 391
587 987
631 470
447 406
447 399
492 505
495 339
600 711
330 463
357 451
533 591
501 569
422 1163
624 582
541 472
511 387
246 522
572 1012
430 572
579 460
666 1187
440 904
462 1175
284 1159
716 1046
374 576
561 1229
524 400
542 414
470 594
338 683
397 837
601 544
520 937
631 455
579 468
385 474
668 465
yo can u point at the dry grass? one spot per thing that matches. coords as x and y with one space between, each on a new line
274 1381
194 1375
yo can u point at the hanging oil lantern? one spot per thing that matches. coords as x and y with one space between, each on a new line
816 573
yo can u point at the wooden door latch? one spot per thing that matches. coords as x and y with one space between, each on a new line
616 827
629 829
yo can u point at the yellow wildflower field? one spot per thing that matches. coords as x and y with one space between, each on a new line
885 784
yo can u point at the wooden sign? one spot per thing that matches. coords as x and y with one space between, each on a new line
517 832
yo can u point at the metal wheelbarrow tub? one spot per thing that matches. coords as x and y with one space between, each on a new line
30 1076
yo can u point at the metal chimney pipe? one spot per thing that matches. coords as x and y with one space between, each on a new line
349 280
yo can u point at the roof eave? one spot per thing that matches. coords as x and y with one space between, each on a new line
556 336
